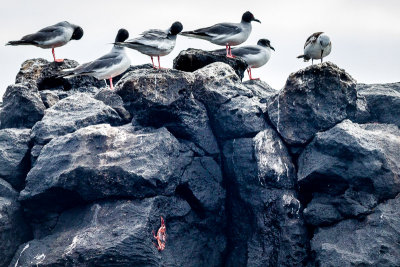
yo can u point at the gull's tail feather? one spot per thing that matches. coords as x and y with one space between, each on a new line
306 58
19 42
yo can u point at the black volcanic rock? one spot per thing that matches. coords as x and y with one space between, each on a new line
110 98
119 233
70 114
22 107
193 59
42 74
266 227
13 229
374 241
350 168
381 103
237 182
14 156
163 98
314 99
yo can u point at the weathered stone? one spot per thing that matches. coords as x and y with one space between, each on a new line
72 113
374 241
41 74
110 98
194 59
119 233
314 99
14 156
353 166
49 98
13 228
22 107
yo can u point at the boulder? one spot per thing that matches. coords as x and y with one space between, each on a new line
378 103
101 161
41 74
164 99
266 227
119 233
22 107
193 59
374 241
72 113
314 99
349 168
14 156
13 228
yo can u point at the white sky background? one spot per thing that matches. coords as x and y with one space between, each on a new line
365 34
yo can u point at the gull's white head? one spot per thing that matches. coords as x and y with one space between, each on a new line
324 40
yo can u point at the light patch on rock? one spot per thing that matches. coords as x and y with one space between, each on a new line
25 248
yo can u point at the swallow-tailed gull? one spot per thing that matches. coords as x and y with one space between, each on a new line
317 46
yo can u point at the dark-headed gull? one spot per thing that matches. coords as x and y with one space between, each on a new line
155 43
106 67
254 55
317 46
51 37
227 34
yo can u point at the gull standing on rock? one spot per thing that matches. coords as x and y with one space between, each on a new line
317 46
51 37
254 55
227 34
155 43
106 67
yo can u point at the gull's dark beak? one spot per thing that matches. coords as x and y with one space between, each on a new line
272 48
256 20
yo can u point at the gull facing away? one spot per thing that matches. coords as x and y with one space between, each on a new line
155 43
106 67
255 55
317 46
51 37
227 34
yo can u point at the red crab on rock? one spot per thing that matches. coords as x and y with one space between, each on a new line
161 236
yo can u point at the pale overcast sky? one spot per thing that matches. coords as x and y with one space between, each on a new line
365 34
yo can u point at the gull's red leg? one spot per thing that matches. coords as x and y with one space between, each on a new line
251 77
227 51
111 84
154 67
54 56
230 52
159 66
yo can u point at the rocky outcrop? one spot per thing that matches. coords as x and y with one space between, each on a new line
193 59
243 175
313 100
22 107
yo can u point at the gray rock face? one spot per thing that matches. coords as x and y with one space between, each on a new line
193 59
349 168
41 74
22 107
266 226
119 233
110 98
314 99
70 114
164 98
13 228
374 241
382 103
49 98
14 156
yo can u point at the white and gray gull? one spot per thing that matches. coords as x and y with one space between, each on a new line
227 34
106 67
155 43
51 37
317 46
255 55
